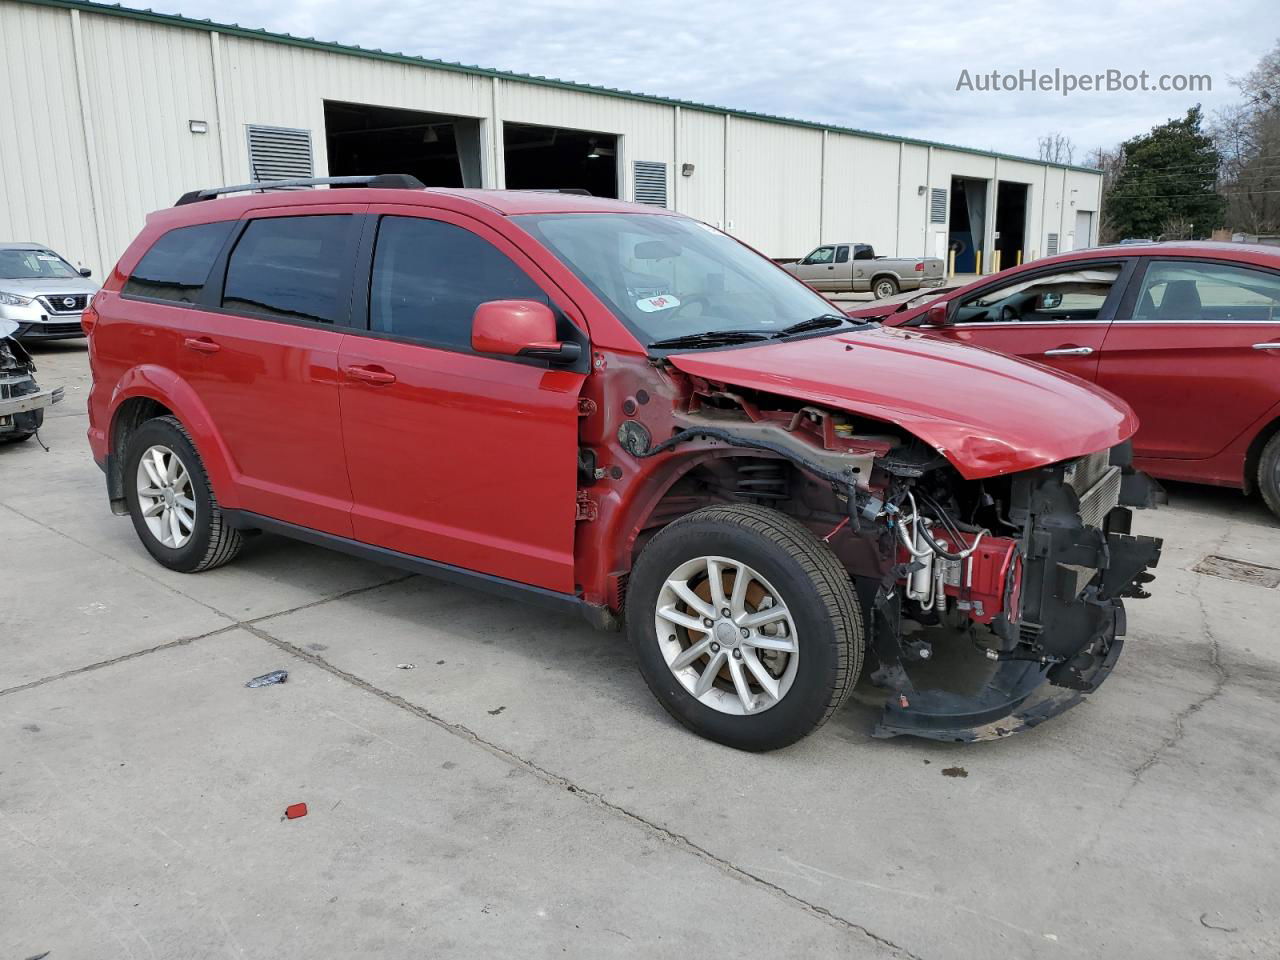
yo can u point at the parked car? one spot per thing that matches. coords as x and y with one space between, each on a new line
42 292
22 402
602 407
855 268
1187 333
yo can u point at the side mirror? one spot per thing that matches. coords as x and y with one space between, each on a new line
937 315
85 272
520 328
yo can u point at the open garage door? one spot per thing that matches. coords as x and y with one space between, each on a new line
1011 224
438 149
966 230
553 158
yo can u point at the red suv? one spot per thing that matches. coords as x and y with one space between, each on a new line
618 410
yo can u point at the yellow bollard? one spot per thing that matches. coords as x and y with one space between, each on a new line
951 264
1019 258
977 262
995 263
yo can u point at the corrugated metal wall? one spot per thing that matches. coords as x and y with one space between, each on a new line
96 111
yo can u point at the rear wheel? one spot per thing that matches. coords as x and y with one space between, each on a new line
746 626
174 510
884 287
1269 474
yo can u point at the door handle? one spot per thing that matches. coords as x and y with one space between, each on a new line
201 345
372 374
1273 345
832 267
1069 352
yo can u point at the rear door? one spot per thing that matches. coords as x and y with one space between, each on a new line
1195 350
1057 316
458 457
262 356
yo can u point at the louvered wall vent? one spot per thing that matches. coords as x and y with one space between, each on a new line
937 205
651 183
278 153
1051 247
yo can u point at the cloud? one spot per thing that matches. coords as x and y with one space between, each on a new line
890 68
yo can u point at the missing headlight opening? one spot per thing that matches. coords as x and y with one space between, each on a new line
989 605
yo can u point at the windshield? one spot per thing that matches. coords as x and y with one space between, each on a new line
34 264
668 277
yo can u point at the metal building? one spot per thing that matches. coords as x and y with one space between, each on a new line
111 112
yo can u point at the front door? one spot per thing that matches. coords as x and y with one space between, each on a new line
458 457
819 269
1057 317
1196 352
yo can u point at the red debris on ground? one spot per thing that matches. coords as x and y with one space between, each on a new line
295 810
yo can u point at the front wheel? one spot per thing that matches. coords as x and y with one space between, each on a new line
746 626
884 287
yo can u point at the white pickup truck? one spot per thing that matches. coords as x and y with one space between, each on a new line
855 268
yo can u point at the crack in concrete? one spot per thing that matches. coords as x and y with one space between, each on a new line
465 733
680 841
1219 684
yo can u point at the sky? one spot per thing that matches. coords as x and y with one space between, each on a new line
886 67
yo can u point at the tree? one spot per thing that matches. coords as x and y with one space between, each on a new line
1169 176
1110 161
1248 137
1057 148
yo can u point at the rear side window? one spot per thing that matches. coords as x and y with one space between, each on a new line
429 277
290 268
178 264
1207 292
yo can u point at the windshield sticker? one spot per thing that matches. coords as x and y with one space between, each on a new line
46 257
654 304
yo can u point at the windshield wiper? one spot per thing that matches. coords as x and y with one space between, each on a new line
708 338
823 321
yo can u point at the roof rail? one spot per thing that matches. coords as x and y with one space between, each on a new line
389 181
575 191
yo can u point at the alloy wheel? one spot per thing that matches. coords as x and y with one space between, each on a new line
165 496
727 635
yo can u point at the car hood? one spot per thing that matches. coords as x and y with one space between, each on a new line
987 413
886 307
38 285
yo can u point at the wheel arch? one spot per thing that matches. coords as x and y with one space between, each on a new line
886 275
146 392
1253 455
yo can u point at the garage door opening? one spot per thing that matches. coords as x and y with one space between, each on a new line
1011 224
438 149
967 230
552 158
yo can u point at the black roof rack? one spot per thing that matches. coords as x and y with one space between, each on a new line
386 181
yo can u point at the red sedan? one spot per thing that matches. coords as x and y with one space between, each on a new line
1187 333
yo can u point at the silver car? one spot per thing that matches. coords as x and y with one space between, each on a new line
41 292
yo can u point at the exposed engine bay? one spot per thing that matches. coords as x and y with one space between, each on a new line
1025 572
22 402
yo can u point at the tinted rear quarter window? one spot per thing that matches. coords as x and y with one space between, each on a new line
290 268
429 277
178 264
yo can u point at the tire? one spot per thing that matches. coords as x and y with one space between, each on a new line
822 623
882 287
207 540
1269 474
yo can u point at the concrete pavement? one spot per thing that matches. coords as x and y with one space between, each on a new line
519 792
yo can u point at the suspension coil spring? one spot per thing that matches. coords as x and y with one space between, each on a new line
762 481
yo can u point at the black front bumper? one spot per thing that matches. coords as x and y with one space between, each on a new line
52 330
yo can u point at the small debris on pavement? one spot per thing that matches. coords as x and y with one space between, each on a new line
405 666
954 772
494 713
295 810
275 676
